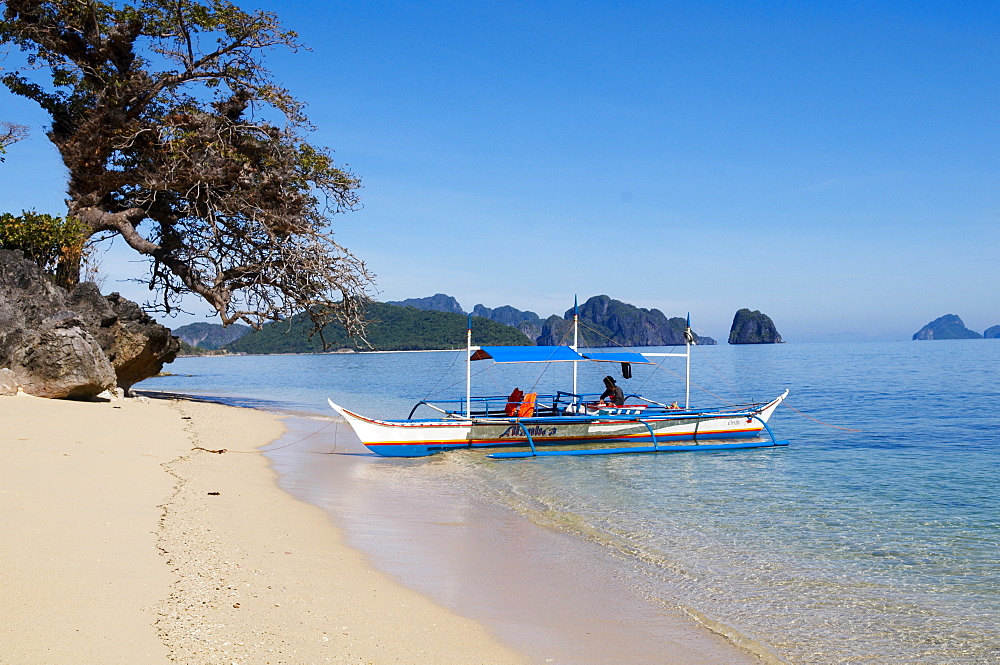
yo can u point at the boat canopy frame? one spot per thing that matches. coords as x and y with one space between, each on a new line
572 354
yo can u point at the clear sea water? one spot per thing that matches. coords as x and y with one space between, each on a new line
874 546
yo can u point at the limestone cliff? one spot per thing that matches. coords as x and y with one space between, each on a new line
212 336
527 322
753 327
949 326
609 322
606 322
439 302
60 344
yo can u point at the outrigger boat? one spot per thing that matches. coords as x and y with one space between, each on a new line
559 424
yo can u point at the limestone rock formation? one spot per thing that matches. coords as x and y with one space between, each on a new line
555 330
210 336
62 359
138 346
609 322
629 325
949 326
8 383
612 322
753 328
438 302
77 345
993 332
527 322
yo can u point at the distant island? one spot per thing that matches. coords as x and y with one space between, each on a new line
993 332
753 328
527 322
438 322
210 336
438 302
949 326
604 322
609 322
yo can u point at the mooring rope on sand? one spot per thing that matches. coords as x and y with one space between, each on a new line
257 452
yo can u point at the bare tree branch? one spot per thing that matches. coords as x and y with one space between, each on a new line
10 133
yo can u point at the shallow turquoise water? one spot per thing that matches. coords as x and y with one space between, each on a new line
877 546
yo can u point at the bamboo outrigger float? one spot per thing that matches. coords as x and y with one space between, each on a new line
559 424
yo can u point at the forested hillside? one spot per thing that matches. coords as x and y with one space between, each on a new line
393 328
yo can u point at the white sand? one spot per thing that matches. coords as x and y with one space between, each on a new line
116 549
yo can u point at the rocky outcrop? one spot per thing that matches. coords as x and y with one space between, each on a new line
612 322
753 328
527 322
609 321
629 325
8 383
210 336
135 343
77 345
949 326
992 332
555 330
62 359
436 303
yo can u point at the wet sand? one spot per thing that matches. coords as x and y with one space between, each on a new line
126 540
553 596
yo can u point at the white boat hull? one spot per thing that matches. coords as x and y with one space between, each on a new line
656 432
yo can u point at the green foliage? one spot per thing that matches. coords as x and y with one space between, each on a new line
391 328
188 350
47 240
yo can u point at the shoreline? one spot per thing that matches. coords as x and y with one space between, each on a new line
550 595
120 523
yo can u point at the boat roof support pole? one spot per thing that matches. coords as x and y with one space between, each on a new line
687 379
576 342
688 340
468 369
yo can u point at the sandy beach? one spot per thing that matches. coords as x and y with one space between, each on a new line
127 541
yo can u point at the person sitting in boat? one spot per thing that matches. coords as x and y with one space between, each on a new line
613 394
673 405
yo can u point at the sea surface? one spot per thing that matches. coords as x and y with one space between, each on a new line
873 538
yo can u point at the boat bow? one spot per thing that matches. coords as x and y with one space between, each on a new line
406 438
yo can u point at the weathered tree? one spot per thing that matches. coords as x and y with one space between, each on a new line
10 132
177 139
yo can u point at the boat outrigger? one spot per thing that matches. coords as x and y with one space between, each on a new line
560 424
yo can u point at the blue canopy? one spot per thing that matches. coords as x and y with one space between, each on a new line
552 354
617 357
527 354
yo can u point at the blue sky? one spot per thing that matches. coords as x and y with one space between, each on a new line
835 165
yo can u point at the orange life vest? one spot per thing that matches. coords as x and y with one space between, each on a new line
527 407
